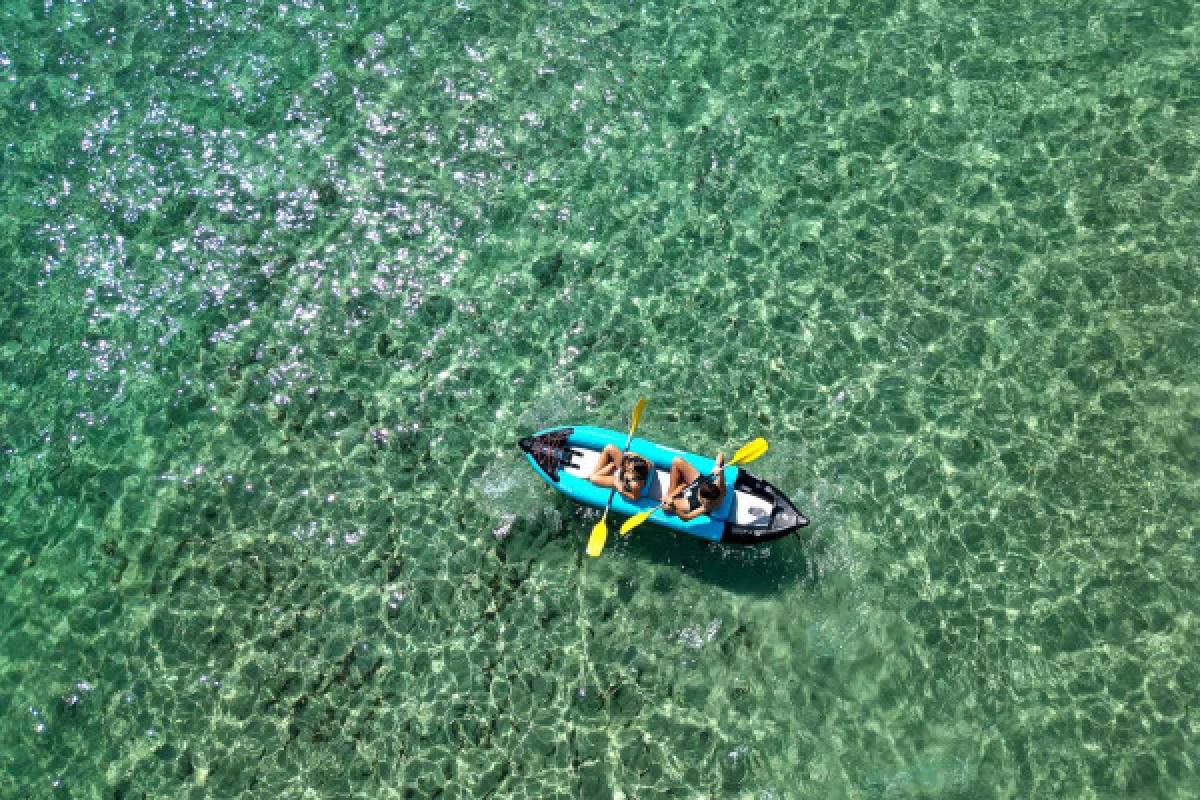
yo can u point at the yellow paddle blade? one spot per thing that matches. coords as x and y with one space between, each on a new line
634 521
749 452
637 414
596 541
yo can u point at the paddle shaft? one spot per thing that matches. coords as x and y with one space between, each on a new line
709 477
613 491
744 455
600 532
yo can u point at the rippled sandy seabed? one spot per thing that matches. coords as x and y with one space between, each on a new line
283 283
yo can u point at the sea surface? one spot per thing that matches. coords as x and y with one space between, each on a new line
282 283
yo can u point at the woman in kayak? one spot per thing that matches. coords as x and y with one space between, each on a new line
692 494
630 479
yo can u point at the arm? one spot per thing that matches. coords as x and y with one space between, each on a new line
668 501
719 471
604 479
671 497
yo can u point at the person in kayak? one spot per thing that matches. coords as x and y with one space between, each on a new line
630 477
692 494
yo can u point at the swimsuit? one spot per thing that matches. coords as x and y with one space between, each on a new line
692 493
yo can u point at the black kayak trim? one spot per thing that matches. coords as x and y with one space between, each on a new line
785 519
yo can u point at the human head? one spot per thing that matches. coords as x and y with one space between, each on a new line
708 491
636 466
635 471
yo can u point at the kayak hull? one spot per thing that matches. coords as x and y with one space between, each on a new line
753 512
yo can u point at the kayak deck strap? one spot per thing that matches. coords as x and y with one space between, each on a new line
550 451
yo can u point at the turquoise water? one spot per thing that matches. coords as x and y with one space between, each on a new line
284 283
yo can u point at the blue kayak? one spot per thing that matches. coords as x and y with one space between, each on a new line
754 511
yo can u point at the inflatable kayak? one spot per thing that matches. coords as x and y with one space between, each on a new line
753 512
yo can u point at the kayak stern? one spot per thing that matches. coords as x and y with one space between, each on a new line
784 518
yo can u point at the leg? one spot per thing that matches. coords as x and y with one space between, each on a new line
682 473
606 467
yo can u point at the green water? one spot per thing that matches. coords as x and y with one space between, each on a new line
284 282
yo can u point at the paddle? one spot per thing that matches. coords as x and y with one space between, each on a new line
747 454
595 545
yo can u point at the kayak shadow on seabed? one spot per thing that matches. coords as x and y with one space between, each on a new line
762 569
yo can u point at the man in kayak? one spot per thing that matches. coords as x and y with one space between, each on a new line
692 494
630 479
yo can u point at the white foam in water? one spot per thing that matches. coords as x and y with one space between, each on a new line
510 489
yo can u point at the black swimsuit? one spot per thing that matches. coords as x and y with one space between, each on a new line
692 493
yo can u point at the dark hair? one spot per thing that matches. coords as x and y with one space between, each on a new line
708 490
638 467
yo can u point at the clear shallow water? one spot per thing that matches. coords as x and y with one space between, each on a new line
284 283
